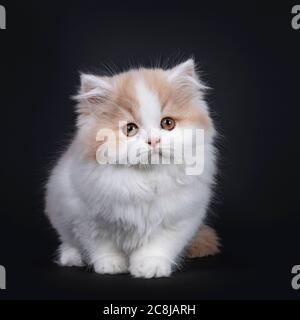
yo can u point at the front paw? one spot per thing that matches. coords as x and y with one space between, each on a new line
111 264
69 256
150 267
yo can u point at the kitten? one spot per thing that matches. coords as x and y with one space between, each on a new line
134 216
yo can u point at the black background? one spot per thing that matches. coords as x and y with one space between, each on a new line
248 53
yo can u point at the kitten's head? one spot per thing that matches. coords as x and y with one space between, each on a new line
141 113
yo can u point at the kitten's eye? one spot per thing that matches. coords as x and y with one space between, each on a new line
130 129
167 123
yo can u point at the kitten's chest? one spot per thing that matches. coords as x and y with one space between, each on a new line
138 199
133 207
151 200
131 185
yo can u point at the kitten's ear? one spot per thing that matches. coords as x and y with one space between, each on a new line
185 74
93 89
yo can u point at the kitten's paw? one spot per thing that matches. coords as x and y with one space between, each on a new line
150 267
69 256
111 264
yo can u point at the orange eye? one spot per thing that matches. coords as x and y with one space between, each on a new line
130 129
168 123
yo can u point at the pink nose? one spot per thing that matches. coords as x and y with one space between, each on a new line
153 141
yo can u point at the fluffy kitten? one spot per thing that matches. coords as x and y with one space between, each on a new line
134 217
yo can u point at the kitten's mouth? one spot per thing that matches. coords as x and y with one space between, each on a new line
155 156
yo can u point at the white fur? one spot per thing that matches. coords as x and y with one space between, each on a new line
127 218
149 106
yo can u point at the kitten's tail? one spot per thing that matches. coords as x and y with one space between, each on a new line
205 243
